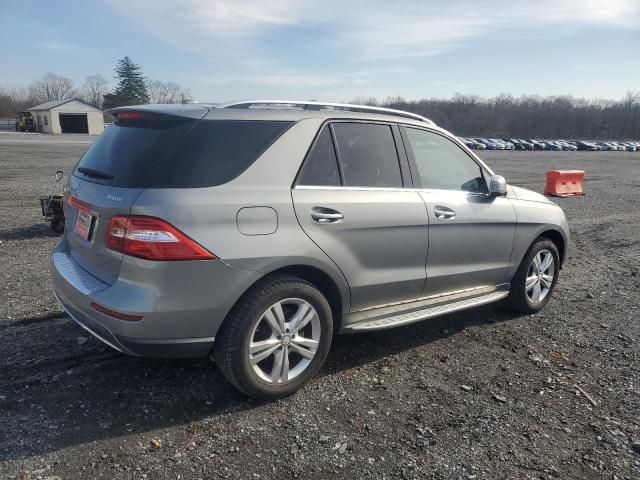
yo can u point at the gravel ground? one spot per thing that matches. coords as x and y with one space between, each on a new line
479 394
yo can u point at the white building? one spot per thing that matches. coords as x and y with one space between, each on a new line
68 116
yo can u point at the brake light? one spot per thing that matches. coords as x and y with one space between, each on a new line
129 115
152 239
78 204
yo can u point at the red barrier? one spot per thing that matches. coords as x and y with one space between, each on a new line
563 183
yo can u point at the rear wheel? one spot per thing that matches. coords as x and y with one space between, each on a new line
533 284
276 338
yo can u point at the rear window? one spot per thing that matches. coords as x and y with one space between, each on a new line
164 151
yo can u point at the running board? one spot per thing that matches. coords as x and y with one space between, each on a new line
404 314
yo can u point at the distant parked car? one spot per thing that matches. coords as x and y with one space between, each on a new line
487 143
538 145
516 144
466 141
471 143
586 146
552 146
607 147
478 145
507 144
623 147
566 145
500 145
527 145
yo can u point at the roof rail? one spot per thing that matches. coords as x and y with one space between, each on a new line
308 105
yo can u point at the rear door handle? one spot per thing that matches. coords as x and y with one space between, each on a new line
325 215
443 213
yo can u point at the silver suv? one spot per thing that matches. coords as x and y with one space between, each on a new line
256 230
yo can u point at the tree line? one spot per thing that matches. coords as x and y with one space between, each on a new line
506 116
503 116
132 88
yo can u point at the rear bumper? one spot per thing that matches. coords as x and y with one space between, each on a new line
182 306
138 347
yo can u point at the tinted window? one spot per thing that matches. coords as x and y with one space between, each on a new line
130 150
217 151
163 151
321 166
368 156
442 164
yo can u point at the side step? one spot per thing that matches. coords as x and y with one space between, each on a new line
404 314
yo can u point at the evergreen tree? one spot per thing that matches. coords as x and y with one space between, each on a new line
131 88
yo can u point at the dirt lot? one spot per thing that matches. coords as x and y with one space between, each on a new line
479 394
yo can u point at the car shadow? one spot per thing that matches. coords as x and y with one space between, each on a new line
26 233
60 389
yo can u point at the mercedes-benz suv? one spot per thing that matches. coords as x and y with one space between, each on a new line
254 231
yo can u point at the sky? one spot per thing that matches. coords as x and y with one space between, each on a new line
333 50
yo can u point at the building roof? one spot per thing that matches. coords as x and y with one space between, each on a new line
56 103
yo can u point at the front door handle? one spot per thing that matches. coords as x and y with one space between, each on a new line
444 213
325 215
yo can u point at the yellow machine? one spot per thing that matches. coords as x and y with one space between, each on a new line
25 122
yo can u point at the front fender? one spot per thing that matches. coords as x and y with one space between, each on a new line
534 219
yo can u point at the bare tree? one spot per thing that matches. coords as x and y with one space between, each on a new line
14 100
51 87
165 92
94 89
505 116
370 101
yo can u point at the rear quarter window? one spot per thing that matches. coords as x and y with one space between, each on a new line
217 151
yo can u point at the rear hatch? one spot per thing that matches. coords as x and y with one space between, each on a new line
127 158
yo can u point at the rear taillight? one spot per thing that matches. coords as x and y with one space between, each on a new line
152 239
78 204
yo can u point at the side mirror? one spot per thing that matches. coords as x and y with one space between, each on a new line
497 186
59 175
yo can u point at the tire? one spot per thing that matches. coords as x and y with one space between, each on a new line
57 226
520 298
250 325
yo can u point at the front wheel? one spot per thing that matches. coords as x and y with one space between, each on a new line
533 284
276 338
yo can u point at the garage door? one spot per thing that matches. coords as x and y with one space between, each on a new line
74 123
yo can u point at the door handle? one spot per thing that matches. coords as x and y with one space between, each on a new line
325 215
444 213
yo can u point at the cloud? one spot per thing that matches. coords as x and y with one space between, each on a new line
367 29
238 38
56 45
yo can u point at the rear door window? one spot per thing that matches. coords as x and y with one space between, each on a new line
367 155
165 151
321 166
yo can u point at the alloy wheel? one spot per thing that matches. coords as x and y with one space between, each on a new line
284 341
540 275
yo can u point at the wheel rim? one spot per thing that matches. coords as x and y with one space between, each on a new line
540 276
284 341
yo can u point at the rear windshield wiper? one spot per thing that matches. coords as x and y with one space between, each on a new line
90 172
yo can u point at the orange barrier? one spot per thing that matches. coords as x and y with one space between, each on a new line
562 183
